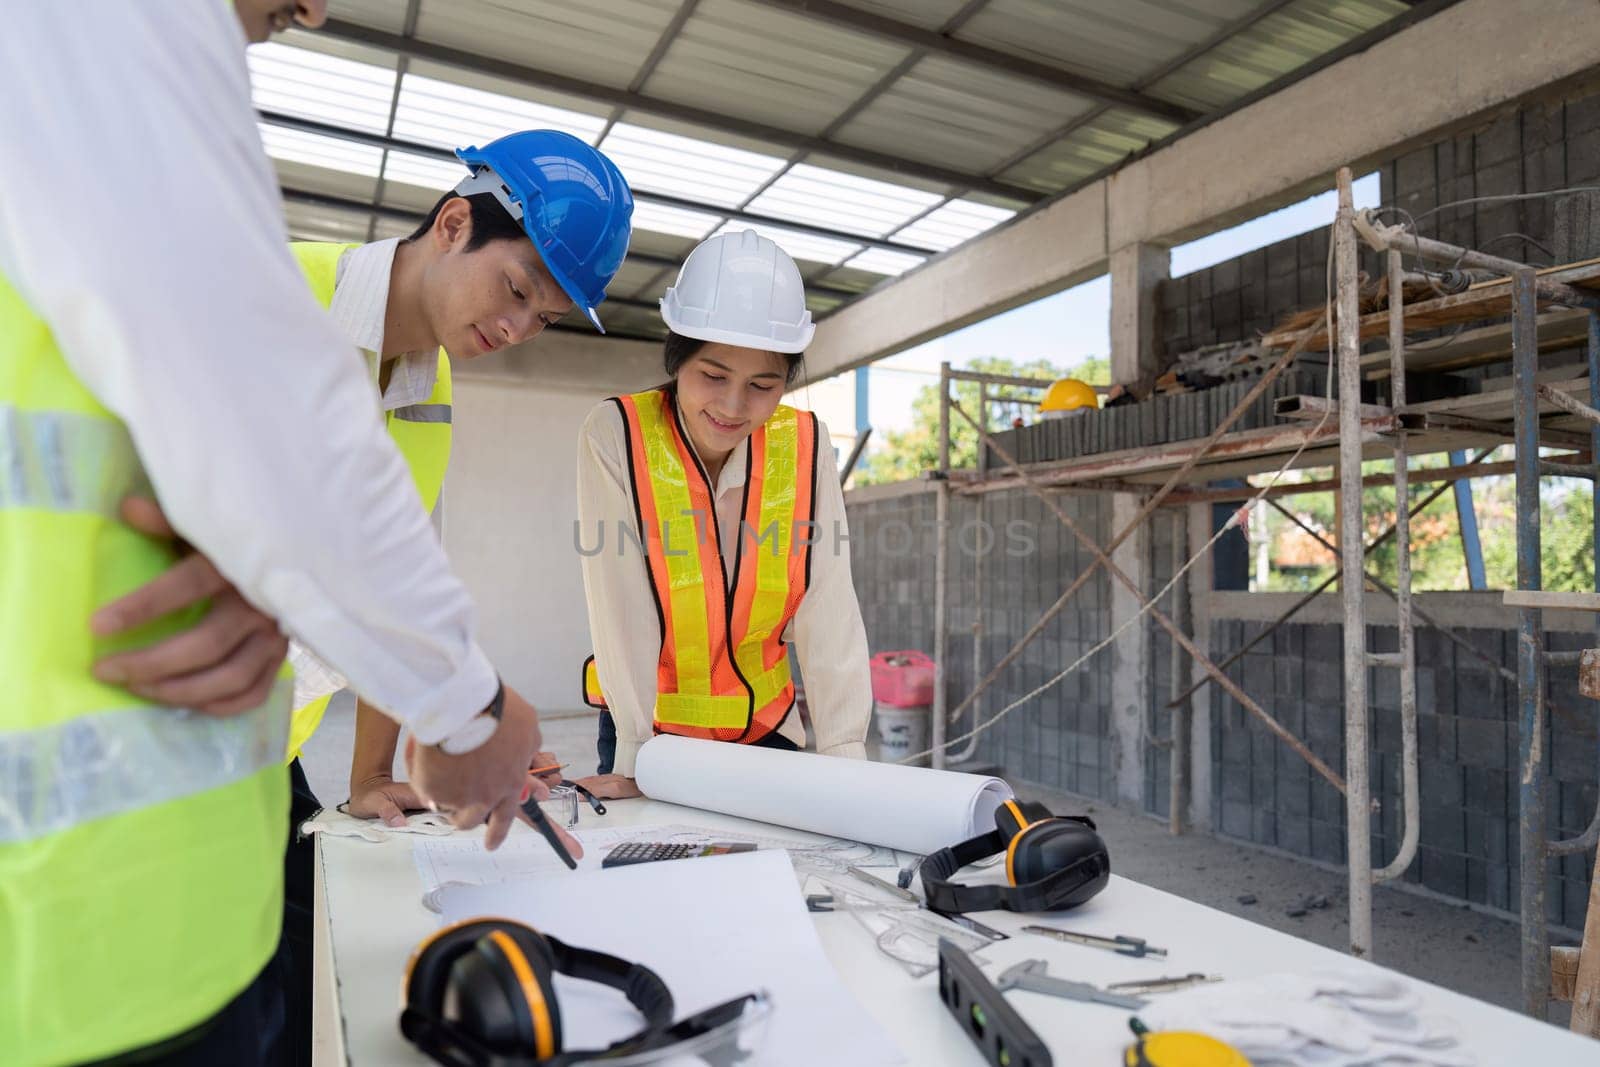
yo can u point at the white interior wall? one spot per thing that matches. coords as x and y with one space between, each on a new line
510 504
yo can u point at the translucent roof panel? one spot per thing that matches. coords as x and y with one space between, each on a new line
841 201
679 222
806 246
314 150
950 225
883 261
658 162
448 115
425 172
311 222
307 84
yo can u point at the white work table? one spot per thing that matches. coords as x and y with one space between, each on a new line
370 916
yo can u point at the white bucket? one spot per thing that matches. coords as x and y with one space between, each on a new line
902 731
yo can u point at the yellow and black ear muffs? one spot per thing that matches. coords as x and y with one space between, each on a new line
1052 862
482 994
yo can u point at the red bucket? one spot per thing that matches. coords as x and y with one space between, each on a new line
903 679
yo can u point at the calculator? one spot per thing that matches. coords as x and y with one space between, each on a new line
630 852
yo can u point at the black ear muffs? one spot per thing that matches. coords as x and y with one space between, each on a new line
1052 862
484 992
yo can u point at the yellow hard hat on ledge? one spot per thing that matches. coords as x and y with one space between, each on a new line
1067 395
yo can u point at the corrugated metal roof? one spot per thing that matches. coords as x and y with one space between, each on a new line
948 112
827 124
1119 41
603 42
927 14
1275 46
1097 145
769 66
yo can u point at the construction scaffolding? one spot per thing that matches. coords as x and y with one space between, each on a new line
1542 310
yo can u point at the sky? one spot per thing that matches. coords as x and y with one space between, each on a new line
1073 325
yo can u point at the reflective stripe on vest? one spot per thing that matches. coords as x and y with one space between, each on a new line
64 461
141 847
422 413
420 431
709 685
101 764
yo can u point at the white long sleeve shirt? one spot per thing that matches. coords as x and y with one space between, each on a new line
827 634
139 217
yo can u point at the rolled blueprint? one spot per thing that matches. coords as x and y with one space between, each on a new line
914 809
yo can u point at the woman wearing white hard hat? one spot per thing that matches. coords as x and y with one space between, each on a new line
694 622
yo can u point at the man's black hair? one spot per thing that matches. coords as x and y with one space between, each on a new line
490 221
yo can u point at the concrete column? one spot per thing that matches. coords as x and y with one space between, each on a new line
1137 271
1136 274
1130 655
1200 599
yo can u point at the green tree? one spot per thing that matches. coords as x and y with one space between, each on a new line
905 454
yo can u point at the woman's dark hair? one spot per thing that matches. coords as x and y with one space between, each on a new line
678 350
490 221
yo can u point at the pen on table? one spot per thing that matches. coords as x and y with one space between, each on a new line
541 823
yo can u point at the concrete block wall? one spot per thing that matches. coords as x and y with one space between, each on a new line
1467 742
1062 739
1544 145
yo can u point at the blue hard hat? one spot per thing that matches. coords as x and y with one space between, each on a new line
572 201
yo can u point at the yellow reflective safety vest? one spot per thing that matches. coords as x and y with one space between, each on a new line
723 671
422 432
141 847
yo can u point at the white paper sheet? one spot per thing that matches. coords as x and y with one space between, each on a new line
912 808
713 928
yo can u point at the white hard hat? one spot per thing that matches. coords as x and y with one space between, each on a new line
740 289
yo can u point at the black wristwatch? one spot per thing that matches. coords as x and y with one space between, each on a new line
478 729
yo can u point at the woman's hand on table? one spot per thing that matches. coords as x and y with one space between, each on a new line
611 786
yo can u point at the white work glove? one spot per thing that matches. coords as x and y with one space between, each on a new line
338 824
1335 1018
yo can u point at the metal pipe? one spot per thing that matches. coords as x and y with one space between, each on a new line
1294 609
1103 557
1404 624
1569 404
977 579
1394 238
1178 754
1530 647
941 560
1357 819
